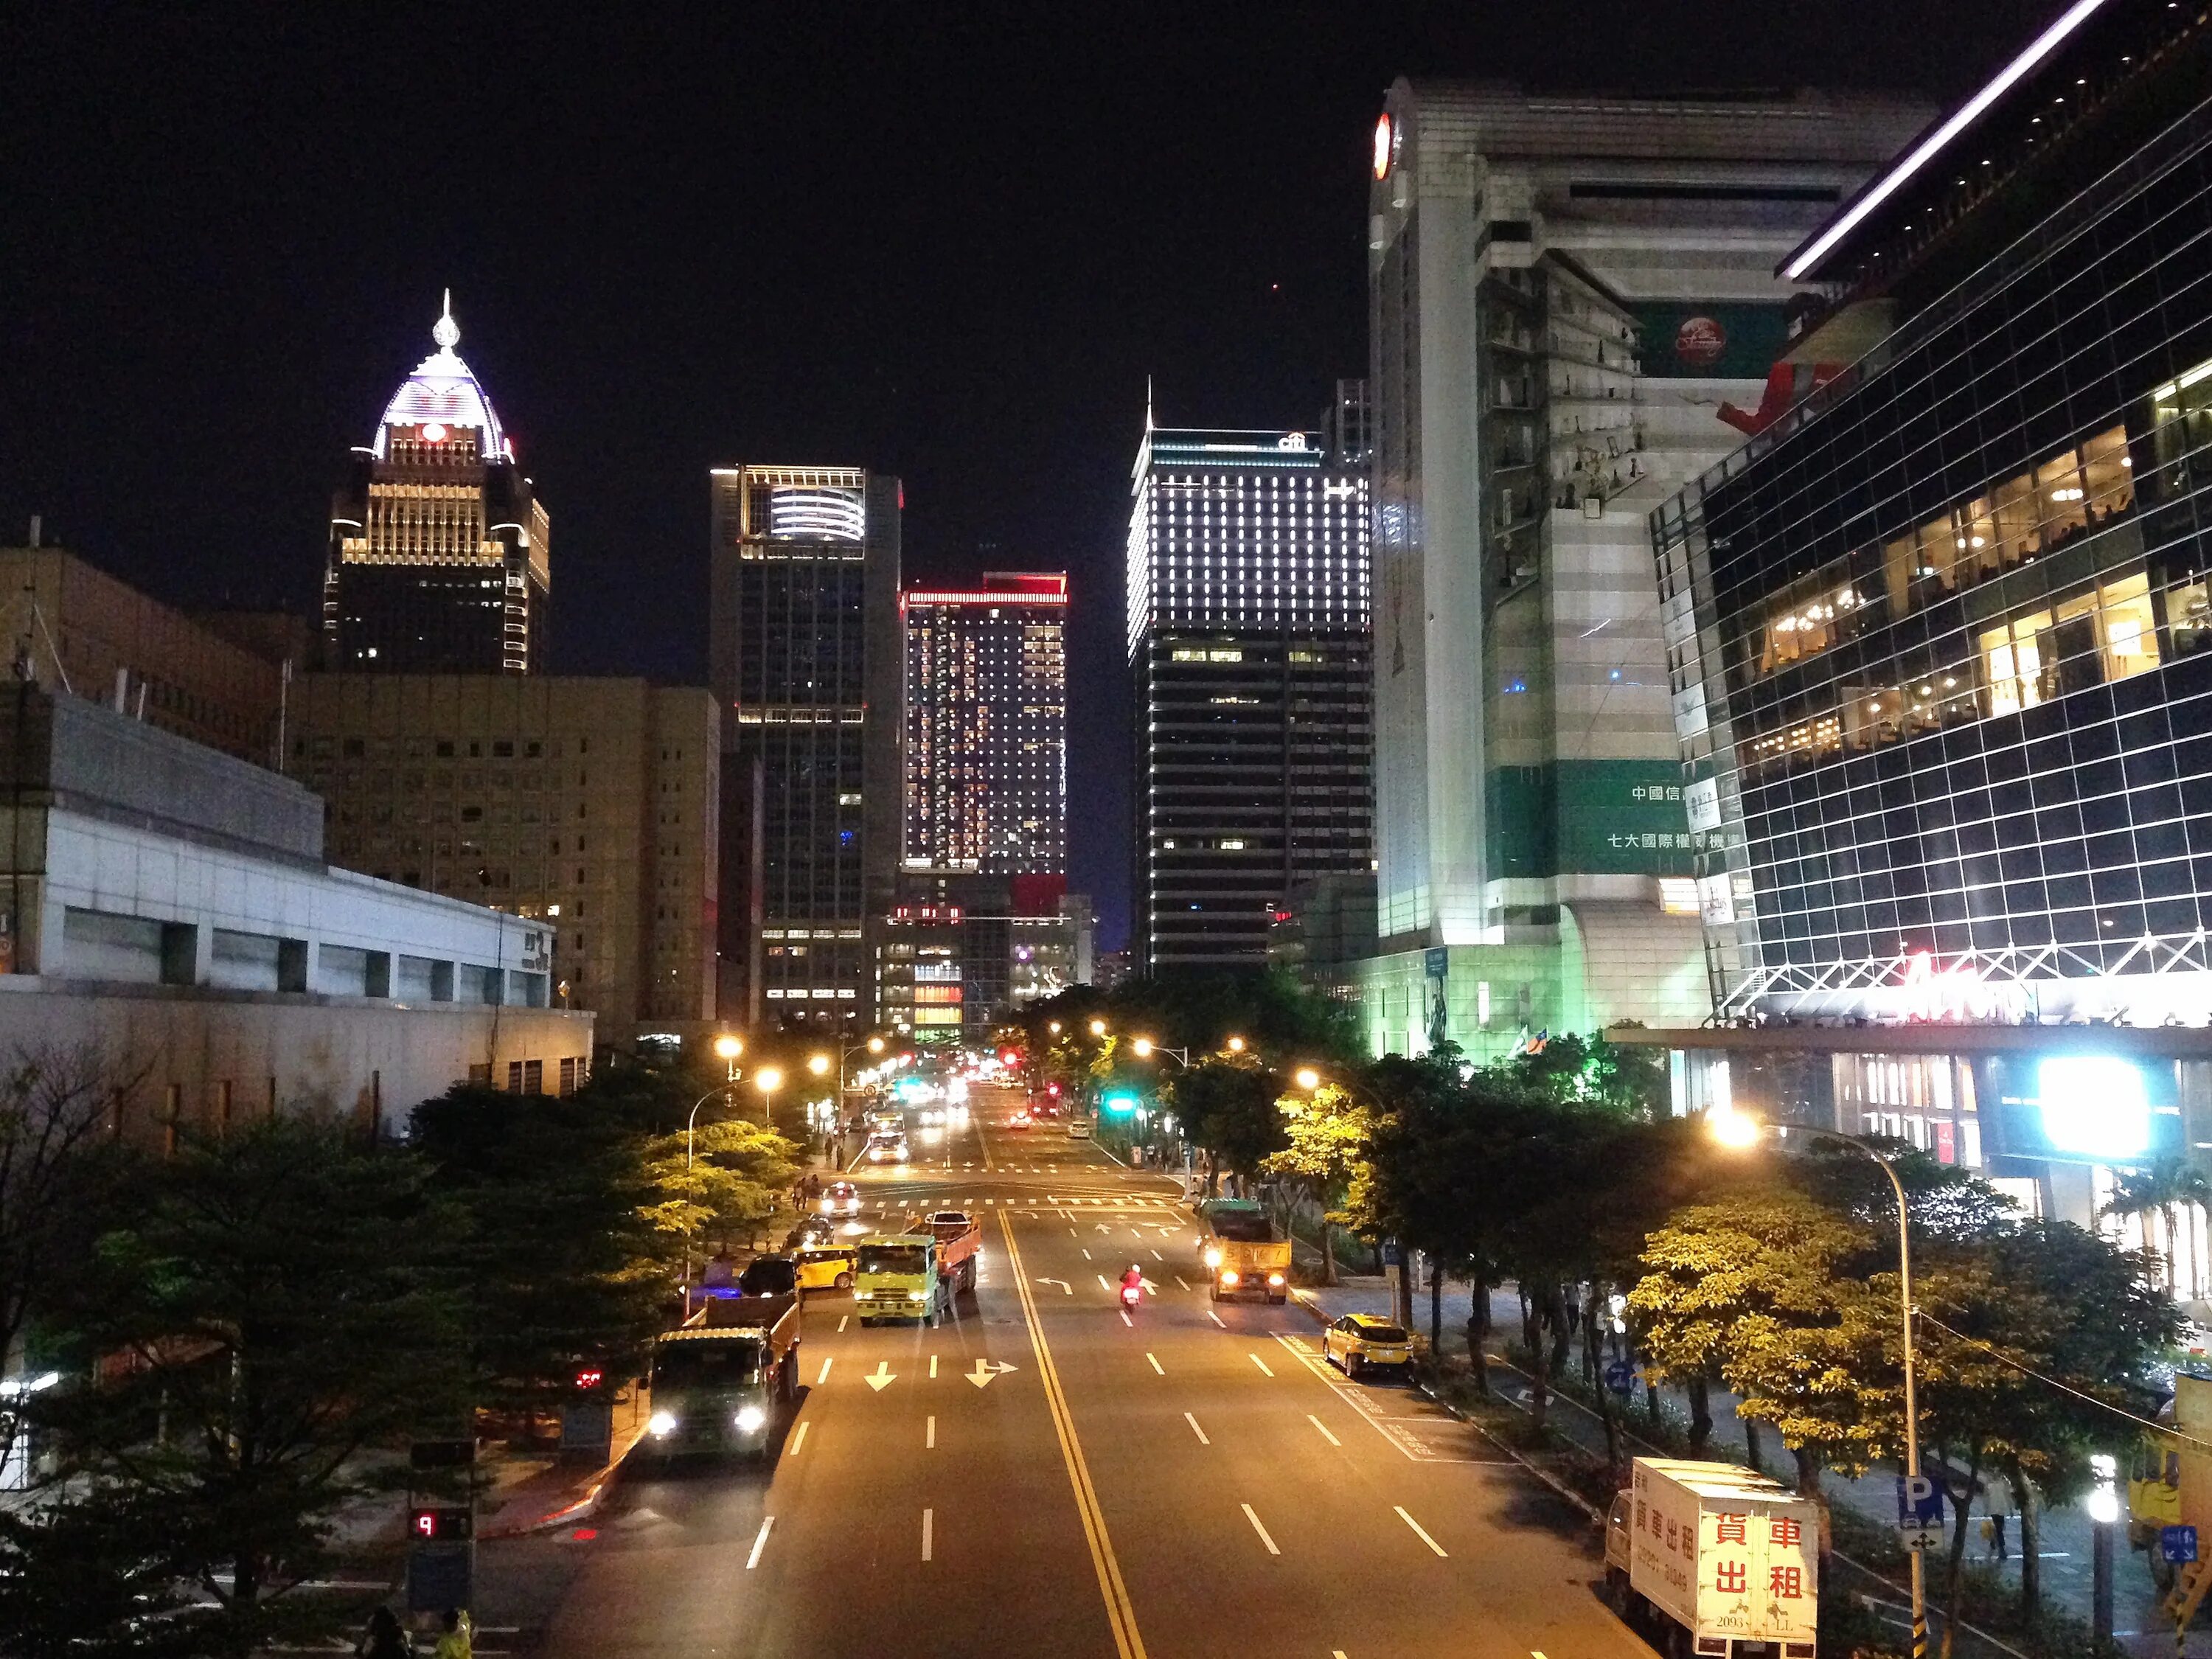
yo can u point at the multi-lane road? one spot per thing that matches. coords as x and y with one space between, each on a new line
1047 1475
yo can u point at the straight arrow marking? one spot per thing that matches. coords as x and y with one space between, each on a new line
881 1378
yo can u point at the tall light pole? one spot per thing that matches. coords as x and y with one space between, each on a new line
1733 1128
690 1125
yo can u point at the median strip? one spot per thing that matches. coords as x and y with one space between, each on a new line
1121 1614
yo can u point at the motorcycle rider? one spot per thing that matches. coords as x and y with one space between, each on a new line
1133 1283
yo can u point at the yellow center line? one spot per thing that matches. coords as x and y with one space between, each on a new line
1121 1615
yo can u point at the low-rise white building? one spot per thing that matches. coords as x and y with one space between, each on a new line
167 908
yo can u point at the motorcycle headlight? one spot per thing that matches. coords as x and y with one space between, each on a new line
661 1424
750 1417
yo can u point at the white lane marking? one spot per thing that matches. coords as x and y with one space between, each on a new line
1261 1363
1102 1285
799 1439
1179 1279
929 1436
1157 1256
1157 1366
1086 1256
841 1318
1195 1430
1323 1427
1261 1530
1338 1653
1417 1530
929 1521
1072 1233
1125 1319
932 1367
826 1364
1216 1319
1134 1234
760 1543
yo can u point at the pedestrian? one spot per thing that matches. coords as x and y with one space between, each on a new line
384 1639
454 1644
1997 1532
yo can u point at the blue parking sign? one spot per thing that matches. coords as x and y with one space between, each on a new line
2177 1544
1919 1511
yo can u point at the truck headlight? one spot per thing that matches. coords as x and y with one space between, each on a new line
750 1417
1275 1278
1229 1275
1212 1258
917 1296
661 1424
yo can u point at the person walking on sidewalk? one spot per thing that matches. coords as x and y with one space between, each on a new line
455 1643
384 1639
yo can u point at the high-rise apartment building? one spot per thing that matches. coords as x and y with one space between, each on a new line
1248 640
589 806
438 552
1563 293
806 665
987 725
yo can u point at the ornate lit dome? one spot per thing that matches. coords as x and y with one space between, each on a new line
442 392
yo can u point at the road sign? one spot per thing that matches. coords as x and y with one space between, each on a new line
1620 1375
1919 1511
2177 1544
1394 1254
439 1577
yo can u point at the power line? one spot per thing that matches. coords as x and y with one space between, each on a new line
2005 1360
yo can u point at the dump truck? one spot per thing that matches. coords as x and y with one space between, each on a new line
915 1276
719 1381
1242 1250
1716 1560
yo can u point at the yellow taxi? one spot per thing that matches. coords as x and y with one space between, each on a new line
1359 1340
825 1267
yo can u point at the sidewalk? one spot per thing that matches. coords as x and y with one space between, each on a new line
2063 1545
529 1494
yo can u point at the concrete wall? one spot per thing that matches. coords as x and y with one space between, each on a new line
208 1052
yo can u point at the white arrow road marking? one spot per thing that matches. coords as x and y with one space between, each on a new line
985 1369
799 1440
1418 1531
1261 1530
1195 1430
881 1378
826 1364
760 1543
1261 1363
1323 1427
1157 1365
1065 1286
1151 1289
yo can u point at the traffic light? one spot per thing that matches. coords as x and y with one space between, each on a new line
1053 1089
1122 1102
438 1523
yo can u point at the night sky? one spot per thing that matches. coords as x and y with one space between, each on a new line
944 242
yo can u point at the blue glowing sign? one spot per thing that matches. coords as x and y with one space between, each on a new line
2094 1105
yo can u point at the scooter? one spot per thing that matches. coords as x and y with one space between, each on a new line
1131 1295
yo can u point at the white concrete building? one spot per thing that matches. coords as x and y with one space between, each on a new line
169 907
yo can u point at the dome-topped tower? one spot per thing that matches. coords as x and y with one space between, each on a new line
438 551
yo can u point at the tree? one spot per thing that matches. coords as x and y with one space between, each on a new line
563 1261
2164 1188
262 1315
55 1158
1767 1287
1328 1133
725 1179
1227 1105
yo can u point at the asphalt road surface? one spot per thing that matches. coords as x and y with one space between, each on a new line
1045 1475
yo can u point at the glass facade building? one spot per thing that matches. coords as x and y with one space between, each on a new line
1941 638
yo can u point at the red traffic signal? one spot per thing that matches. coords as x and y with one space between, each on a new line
590 1377
438 1523
1053 1089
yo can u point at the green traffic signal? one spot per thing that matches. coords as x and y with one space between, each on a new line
1121 1103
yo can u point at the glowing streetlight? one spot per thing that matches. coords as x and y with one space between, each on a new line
875 1045
1738 1130
768 1080
1307 1079
1098 1028
727 1047
1053 1026
818 1064
1144 1048
1234 1045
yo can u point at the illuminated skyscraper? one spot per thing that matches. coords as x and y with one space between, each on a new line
987 726
1248 639
438 552
804 662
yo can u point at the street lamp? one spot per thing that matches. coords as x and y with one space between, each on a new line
1053 1026
1234 1045
1307 1079
1098 1028
727 1048
818 1064
690 1125
1736 1130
